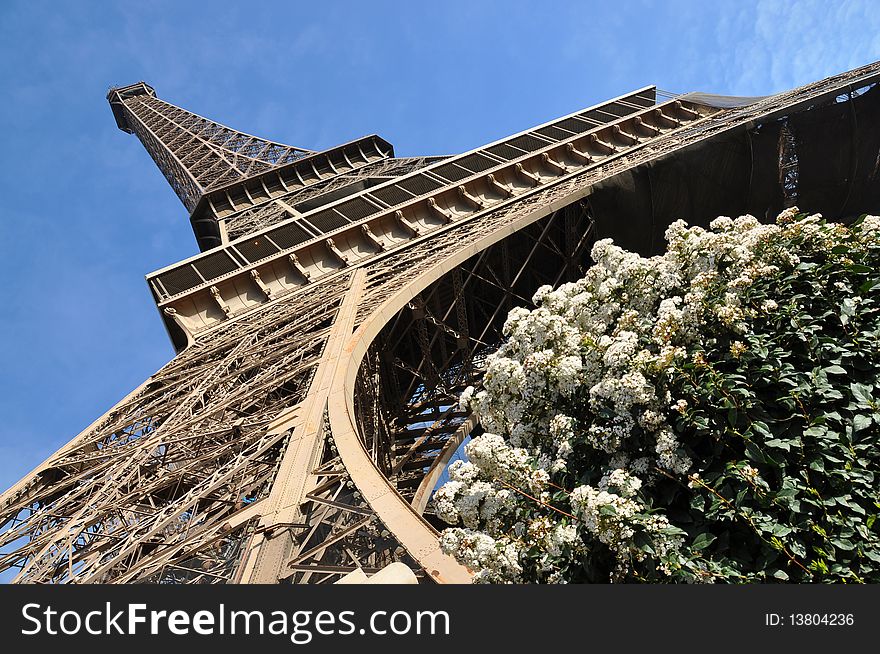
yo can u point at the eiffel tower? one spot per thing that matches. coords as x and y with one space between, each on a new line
343 299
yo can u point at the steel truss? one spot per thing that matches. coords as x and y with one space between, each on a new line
286 206
409 385
195 154
160 489
299 439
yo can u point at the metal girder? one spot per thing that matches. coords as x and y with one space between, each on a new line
477 293
298 438
241 223
195 154
162 473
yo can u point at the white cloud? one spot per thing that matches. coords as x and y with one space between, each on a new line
772 46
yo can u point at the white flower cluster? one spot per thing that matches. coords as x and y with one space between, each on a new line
478 493
607 515
464 401
613 513
493 561
580 381
870 226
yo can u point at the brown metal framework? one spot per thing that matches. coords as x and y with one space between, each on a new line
299 432
195 154
241 223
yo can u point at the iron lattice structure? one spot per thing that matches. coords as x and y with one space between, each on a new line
344 298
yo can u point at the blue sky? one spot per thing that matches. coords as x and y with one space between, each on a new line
85 214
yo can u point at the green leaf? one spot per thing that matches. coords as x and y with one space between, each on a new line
847 310
780 530
781 574
833 415
731 417
673 531
869 285
702 541
854 506
832 394
762 429
862 393
754 453
861 422
779 444
835 370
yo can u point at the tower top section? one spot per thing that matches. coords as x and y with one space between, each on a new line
118 95
196 155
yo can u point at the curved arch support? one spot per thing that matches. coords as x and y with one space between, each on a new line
411 530
399 516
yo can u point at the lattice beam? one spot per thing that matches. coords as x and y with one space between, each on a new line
298 433
195 154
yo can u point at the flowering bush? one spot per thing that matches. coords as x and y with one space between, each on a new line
705 415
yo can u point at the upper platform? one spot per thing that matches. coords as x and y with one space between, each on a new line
219 173
118 95
194 153
292 225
